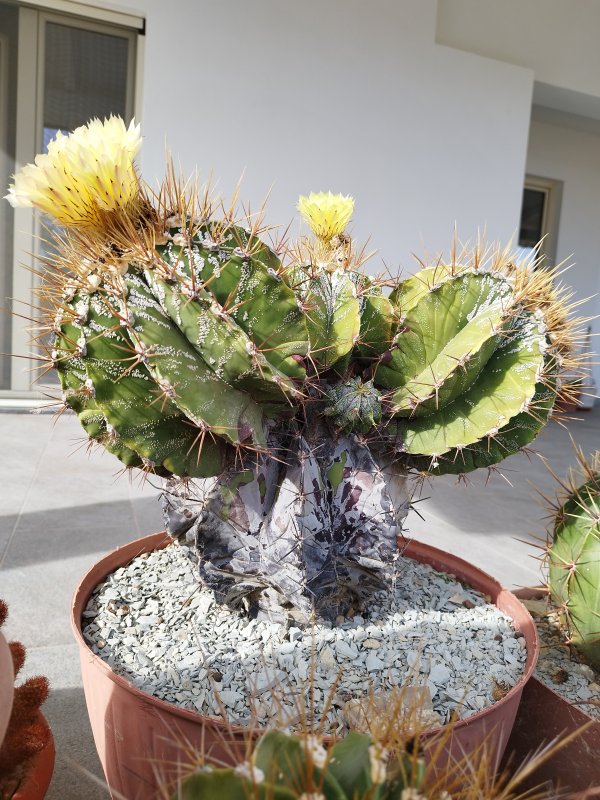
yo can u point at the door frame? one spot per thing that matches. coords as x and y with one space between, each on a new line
33 18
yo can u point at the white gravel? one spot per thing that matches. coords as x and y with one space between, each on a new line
153 623
559 666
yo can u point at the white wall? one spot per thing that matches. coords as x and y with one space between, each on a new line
558 150
346 95
558 39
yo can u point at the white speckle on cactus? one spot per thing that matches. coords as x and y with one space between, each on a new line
378 757
249 772
180 240
94 280
314 748
410 793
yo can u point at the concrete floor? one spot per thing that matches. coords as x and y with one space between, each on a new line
62 508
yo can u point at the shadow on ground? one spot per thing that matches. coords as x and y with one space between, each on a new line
40 536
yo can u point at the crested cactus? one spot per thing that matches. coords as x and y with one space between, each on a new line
285 395
573 559
286 767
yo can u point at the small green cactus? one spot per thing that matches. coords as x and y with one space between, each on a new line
354 406
573 560
289 767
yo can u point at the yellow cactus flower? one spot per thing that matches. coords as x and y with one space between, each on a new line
326 213
84 175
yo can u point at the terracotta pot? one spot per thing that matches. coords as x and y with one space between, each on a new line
7 685
544 716
140 737
39 770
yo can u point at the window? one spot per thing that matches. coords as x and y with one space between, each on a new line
540 213
66 70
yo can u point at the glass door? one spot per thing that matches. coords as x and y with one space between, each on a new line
81 69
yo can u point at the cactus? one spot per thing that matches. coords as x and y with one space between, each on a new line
573 559
25 735
284 767
286 398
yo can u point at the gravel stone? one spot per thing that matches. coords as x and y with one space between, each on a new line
177 643
560 667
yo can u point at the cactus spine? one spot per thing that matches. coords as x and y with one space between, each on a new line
282 393
573 559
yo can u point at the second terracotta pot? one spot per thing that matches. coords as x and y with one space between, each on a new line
545 716
141 740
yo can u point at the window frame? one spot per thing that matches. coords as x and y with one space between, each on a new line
33 18
552 189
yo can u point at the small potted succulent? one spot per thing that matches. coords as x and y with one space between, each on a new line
26 744
564 696
383 763
290 401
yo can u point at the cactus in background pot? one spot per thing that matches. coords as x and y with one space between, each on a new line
573 558
284 395
27 733
288 767
302 766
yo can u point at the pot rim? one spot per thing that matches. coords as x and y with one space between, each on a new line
448 563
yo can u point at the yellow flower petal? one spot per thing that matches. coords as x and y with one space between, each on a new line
82 175
326 213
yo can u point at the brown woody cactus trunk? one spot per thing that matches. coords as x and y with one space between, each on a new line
313 528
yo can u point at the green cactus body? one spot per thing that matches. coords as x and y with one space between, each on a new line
332 317
137 418
354 406
173 362
77 395
574 568
287 384
287 767
465 366
223 345
378 324
243 275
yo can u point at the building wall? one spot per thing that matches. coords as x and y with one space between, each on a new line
557 149
346 96
557 39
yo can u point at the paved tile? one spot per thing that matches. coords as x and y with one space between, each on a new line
77 772
61 509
